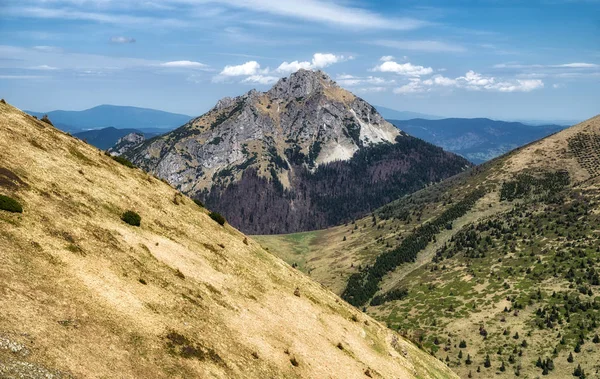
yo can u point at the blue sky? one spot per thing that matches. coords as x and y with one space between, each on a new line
534 59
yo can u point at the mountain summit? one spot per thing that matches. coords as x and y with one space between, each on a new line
309 152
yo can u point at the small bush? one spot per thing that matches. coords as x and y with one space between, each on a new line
131 218
217 217
47 120
9 204
123 161
199 203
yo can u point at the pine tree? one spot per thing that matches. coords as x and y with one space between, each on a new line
460 354
502 367
577 371
539 362
463 344
468 361
577 348
487 362
596 339
570 358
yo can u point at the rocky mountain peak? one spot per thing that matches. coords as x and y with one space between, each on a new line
301 83
284 141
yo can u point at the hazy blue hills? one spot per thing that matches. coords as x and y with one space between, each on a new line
392 114
477 139
119 117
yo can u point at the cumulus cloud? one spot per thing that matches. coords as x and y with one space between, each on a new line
254 73
122 40
472 81
248 68
405 69
183 64
386 58
319 60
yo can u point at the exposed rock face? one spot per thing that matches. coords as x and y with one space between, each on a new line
126 143
272 143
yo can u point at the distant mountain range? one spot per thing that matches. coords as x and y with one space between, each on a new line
477 139
119 117
107 137
392 114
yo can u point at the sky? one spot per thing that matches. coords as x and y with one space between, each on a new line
503 59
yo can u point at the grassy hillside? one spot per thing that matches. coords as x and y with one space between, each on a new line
85 294
523 258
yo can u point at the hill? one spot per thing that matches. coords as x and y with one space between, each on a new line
495 271
120 117
392 114
304 155
108 137
477 139
88 295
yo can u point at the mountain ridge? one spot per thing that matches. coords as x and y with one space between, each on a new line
477 139
117 116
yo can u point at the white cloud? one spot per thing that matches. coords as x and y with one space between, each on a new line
248 68
84 15
577 65
406 69
412 87
520 85
351 81
183 64
319 61
122 40
327 12
420 45
386 58
261 79
472 81
43 67
440 80
294 66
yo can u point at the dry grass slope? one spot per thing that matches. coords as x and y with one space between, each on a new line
448 300
86 295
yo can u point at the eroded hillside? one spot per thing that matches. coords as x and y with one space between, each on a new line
86 295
